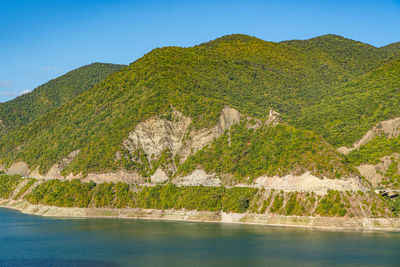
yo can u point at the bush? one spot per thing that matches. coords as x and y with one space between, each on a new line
8 183
331 205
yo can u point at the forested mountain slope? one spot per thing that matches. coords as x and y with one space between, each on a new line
351 56
392 48
347 114
256 76
273 150
193 88
28 107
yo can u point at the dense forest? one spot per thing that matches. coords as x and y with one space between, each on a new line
28 107
270 150
345 115
329 88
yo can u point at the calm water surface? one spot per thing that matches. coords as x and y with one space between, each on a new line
27 240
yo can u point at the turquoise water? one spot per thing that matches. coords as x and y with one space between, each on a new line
27 240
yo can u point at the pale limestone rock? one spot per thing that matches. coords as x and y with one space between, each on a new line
338 223
389 128
119 176
56 169
370 172
197 178
227 119
274 118
155 134
373 172
200 138
253 123
231 217
308 182
36 174
20 168
53 173
159 177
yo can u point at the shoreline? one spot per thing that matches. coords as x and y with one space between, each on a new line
310 222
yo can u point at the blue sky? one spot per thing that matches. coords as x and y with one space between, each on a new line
41 40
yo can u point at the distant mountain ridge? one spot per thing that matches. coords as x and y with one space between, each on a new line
28 107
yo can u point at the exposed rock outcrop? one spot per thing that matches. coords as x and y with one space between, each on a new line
159 177
375 173
200 138
304 182
389 128
119 176
55 171
20 168
308 182
273 118
197 178
157 134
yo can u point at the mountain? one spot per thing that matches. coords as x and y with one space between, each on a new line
347 114
235 125
286 76
392 48
184 98
350 55
28 107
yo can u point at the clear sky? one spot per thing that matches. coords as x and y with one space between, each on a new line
42 39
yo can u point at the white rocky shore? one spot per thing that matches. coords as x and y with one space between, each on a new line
329 223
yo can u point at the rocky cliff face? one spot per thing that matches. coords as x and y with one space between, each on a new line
174 134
